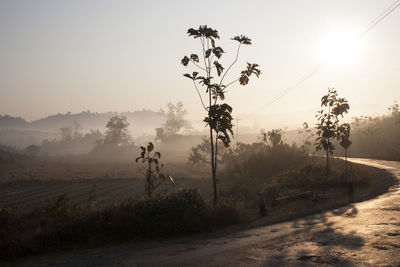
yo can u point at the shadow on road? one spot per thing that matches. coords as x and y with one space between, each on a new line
321 241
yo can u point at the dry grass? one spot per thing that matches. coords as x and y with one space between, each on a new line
58 209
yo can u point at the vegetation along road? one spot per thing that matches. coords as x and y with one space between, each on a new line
365 233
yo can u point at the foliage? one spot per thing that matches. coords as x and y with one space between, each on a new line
211 74
258 161
395 111
76 143
275 136
328 127
63 225
200 154
117 132
152 166
376 137
175 122
10 155
70 132
306 137
174 213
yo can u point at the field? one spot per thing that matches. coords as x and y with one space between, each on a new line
102 192
61 203
26 184
29 184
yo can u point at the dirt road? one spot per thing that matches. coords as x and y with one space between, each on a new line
366 234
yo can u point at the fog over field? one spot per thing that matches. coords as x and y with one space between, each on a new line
138 122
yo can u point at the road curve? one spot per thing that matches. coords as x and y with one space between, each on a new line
365 233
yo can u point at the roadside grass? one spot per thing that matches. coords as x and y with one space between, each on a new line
306 190
63 225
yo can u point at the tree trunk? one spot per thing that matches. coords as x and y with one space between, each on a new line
327 161
148 180
213 170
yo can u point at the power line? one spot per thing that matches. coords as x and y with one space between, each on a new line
318 67
377 20
383 15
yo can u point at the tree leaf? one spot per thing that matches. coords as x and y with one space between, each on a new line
242 39
219 68
188 76
185 61
208 53
150 147
218 51
194 57
244 80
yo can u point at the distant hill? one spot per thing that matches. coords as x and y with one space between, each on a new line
139 120
15 131
7 122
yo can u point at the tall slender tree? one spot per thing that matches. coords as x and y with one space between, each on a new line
328 127
211 74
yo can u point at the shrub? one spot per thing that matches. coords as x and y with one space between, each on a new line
180 212
62 225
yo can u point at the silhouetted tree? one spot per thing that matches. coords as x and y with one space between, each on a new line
212 76
395 110
117 131
328 127
32 150
70 132
201 154
275 136
152 166
307 135
175 121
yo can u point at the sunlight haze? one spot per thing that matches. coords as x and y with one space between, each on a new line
60 56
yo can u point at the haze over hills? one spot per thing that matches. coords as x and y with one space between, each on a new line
20 133
87 120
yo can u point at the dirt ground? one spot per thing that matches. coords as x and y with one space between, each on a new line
361 234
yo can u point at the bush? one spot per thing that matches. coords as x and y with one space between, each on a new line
181 212
258 162
62 225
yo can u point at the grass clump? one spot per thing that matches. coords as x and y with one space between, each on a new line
63 225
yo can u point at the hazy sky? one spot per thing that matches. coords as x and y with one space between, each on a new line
59 56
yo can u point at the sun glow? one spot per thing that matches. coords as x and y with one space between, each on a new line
340 47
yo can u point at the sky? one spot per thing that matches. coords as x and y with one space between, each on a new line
60 56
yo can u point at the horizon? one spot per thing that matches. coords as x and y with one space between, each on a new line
64 57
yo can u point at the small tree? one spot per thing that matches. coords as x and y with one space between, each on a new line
275 137
117 131
175 121
71 132
212 76
152 166
200 154
328 127
306 137
395 110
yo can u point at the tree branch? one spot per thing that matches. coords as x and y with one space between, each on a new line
231 83
194 62
198 92
204 53
233 63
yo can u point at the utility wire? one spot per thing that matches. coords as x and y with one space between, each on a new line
378 19
318 67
